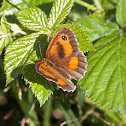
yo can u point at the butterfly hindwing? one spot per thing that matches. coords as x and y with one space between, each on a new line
66 85
43 69
57 75
77 66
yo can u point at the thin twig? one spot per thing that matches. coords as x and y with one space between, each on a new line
12 4
91 7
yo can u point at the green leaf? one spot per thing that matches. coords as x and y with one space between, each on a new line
81 36
59 11
39 85
5 25
96 27
33 18
105 80
10 7
16 55
5 38
121 12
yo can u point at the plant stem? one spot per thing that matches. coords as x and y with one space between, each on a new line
91 7
12 4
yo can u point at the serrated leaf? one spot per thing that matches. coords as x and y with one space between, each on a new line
121 12
5 25
59 11
39 85
5 38
33 18
81 36
105 80
96 27
16 55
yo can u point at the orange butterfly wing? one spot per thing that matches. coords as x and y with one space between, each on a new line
64 52
64 60
57 75
63 45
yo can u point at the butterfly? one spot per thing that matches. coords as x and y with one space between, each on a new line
64 60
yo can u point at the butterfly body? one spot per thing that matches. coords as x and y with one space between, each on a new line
64 60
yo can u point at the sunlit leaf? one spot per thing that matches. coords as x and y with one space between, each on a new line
33 18
5 38
9 7
16 55
59 11
96 27
105 80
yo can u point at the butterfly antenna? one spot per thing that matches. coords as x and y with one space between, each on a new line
40 49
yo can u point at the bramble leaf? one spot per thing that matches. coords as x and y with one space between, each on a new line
121 12
34 19
105 80
59 11
96 27
17 54
5 38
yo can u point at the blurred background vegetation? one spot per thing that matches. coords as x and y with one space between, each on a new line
18 105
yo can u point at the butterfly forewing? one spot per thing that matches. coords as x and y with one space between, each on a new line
63 45
43 69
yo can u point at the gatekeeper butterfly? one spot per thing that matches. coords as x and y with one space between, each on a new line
64 60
